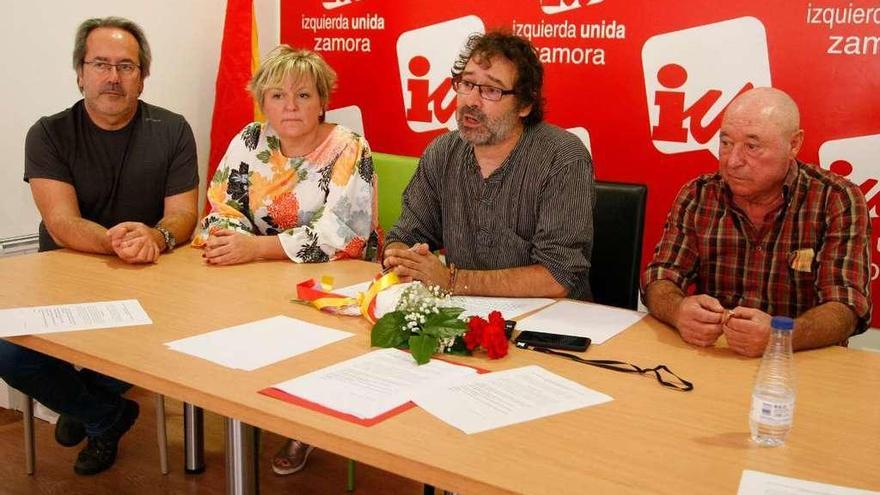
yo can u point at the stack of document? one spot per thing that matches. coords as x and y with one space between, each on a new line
758 483
377 385
504 398
372 384
259 343
68 317
510 307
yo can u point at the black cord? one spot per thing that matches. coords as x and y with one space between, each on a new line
681 385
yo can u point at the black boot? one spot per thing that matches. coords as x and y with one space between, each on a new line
100 452
69 431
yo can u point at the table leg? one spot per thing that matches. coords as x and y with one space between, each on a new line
349 483
193 439
28 419
242 472
161 433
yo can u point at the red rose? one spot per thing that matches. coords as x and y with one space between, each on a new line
496 319
496 347
494 338
474 336
488 334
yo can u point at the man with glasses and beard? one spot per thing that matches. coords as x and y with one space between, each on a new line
509 197
110 175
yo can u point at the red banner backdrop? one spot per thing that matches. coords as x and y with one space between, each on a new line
642 83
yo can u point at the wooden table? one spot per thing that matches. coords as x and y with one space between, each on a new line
648 439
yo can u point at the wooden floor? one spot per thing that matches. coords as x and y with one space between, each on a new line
137 468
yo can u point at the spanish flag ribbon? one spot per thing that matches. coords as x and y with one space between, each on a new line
318 293
367 299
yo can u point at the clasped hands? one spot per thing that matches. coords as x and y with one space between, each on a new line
228 247
701 319
417 263
134 242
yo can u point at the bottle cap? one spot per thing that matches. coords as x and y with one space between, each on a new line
782 323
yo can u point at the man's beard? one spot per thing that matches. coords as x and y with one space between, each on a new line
492 131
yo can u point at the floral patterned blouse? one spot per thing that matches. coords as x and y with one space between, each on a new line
322 206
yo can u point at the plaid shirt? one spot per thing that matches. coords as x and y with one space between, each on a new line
813 250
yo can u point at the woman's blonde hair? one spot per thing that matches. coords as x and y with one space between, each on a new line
285 61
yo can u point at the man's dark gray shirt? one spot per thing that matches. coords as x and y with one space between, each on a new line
121 175
537 208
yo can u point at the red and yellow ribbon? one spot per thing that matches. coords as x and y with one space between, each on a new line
367 299
319 294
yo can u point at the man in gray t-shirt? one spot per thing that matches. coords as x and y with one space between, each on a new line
113 175
110 175
509 197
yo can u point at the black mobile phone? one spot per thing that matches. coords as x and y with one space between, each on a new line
554 341
509 325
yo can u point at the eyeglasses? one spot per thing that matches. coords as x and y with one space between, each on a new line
487 92
123 68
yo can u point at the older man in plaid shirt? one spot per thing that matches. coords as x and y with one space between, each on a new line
765 235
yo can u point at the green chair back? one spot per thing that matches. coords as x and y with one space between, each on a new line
394 173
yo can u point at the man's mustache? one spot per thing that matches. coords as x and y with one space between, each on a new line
473 112
112 89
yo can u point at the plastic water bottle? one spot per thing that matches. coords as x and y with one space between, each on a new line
773 396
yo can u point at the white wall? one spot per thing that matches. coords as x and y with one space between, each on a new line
268 24
39 80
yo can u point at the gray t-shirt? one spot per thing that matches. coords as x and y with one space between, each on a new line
537 208
119 176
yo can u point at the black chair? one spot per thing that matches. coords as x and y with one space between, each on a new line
618 224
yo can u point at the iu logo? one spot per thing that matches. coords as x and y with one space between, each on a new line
335 4
856 159
692 75
424 58
584 135
349 116
558 6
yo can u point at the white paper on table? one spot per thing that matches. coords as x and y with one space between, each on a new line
595 321
503 398
374 383
68 317
510 307
259 343
758 483
353 290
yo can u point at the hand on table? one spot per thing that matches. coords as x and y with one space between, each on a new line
227 247
134 242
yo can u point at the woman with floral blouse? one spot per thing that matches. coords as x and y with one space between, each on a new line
293 187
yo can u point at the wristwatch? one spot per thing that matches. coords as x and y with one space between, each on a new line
170 241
